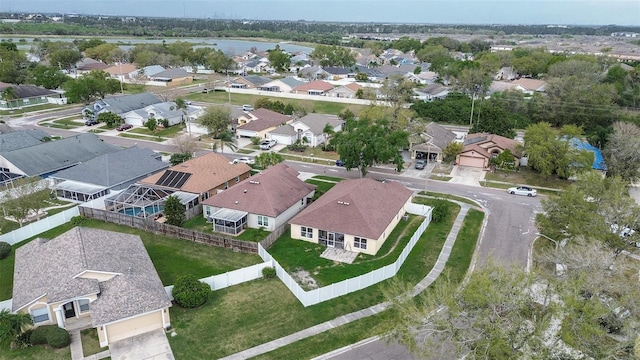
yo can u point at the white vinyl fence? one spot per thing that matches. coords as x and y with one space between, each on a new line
344 287
235 277
40 226
7 304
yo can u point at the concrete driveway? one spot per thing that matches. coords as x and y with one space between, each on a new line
466 175
153 345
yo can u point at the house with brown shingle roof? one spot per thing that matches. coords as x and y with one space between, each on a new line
204 176
122 71
90 273
317 87
480 148
355 215
262 121
266 200
348 91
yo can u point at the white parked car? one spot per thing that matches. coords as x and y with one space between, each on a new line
522 190
246 160
268 144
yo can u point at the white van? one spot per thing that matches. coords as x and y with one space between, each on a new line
247 108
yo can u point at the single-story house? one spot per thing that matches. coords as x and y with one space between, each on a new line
348 91
114 171
165 110
423 78
317 87
87 65
309 127
122 72
46 158
172 77
104 275
529 86
28 95
249 82
337 73
203 176
431 92
480 148
266 200
356 215
120 105
10 140
430 144
281 85
261 123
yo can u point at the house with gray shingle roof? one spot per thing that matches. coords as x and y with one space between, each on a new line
262 122
355 215
29 95
48 157
172 77
14 140
103 275
114 171
309 127
266 200
281 85
430 143
164 110
120 105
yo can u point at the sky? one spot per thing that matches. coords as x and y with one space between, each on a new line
560 12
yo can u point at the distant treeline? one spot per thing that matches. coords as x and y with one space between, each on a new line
301 31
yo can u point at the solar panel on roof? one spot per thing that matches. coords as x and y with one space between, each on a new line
173 179
475 140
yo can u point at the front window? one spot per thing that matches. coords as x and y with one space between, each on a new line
360 243
263 220
84 305
40 315
306 232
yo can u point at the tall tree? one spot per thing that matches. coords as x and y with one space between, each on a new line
65 59
48 77
174 211
268 158
225 139
279 59
622 152
217 120
12 325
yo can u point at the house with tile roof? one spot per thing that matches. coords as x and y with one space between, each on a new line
348 91
480 148
48 157
266 200
309 127
90 273
317 87
355 215
430 143
113 171
204 176
261 123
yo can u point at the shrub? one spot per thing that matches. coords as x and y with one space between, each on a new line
78 220
5 249
441 210
39 335
268 273
189 292
58 337
24 339
255 140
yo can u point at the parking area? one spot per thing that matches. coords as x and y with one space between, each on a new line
152 345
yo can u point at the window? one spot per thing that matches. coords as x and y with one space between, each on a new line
360 243
226 185
84 305
237 179
306 232
40 315
263 220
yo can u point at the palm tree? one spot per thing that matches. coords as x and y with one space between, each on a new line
9 94
12 325
225 139
328 132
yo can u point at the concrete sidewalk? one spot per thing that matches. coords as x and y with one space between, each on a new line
375 309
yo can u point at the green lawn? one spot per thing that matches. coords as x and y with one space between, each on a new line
29 109
445 196
348 334
315 152
37 352
199 223
253 313
321 107
328 178
90 342
527 176
322 186
171 257
171 131
294 255
142 137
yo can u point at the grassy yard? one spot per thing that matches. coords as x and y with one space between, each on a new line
37 352
445 196
171 131
253 313
315 152
90 342
295 255
348 334
317 106
171 257
322 186
526 176
199 223
29 109
142 137
328 178
499 185
439 177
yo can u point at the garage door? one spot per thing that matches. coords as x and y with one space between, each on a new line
471 161
136 326
282 139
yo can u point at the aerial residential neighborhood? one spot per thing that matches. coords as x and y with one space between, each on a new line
170 194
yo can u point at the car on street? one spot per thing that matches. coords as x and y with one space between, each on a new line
246 160
124 127
90 122
268 144
339 163
522 190
420 164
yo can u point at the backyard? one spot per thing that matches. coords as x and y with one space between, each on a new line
252 313
199 223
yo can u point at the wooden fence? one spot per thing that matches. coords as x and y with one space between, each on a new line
273 236
155 227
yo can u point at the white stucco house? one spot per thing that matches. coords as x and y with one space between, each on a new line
309 127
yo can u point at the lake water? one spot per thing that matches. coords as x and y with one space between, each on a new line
229 46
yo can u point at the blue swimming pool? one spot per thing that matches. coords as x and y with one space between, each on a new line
150 210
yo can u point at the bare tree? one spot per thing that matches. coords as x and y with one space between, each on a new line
622 152
185 144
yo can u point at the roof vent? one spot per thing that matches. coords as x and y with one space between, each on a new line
254 182
343 203
237 202
245 191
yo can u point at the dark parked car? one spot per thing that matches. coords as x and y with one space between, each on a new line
339 163
124 127
90 122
